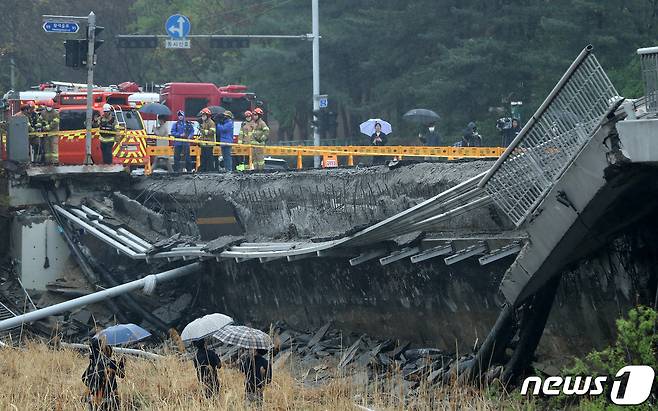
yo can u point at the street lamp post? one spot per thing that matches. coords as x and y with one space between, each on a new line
316 73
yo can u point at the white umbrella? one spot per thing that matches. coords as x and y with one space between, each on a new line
368 127
245 337
205 326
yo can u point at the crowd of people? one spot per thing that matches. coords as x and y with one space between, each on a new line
100 376
44 118
430 137
214 129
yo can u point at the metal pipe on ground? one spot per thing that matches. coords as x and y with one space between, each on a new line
98 296
120 350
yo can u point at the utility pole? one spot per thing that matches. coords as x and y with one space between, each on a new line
91 34
69 24
12 73
315 17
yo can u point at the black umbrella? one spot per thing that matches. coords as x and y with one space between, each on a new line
155 108
216 110
421 116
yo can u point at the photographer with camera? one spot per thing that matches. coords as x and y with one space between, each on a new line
509 128
471 137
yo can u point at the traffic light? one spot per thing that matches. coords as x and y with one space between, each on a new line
229 43
318 120
97 32
77 49
137 42
76 52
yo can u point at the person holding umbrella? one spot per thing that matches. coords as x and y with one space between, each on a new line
100 376
377 129
430 137
253 364
206 363
257 373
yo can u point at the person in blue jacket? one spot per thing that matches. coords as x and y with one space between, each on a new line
225 135
184 130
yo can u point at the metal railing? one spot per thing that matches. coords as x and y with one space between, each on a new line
551 139
649 66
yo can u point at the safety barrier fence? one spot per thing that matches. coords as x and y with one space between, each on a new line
329 154
649 67
551 139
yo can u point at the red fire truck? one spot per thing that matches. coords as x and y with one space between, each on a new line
72 106
192 97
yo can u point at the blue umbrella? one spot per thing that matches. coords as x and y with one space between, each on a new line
155 108
123 334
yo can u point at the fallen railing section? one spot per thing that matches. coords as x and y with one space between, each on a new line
551 139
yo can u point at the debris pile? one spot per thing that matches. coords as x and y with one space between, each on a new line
325 354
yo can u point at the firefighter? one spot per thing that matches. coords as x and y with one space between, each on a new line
107 123
207 129
49 124
244 137
259 136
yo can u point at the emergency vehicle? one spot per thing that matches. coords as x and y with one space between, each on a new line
192 97
72 106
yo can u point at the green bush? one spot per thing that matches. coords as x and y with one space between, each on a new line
635 345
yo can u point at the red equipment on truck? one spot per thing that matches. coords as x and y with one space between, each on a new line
192 97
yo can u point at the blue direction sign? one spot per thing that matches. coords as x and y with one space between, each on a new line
61 27
178 26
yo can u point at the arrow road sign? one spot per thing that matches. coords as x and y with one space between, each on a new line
178 26
61 27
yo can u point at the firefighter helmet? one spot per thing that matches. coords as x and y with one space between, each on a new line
258 111
228 114
247 113
205 111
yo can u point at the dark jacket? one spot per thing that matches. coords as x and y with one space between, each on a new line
471 138
431 138
100 375
382 136
509 135
252 368
206 363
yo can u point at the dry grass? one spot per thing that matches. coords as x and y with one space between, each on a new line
38 378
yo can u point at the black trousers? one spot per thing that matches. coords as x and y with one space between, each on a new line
106 148
207 159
